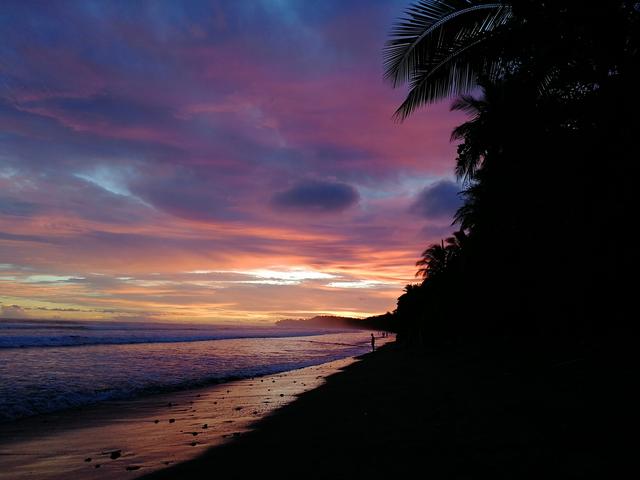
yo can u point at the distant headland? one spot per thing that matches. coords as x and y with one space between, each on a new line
377 322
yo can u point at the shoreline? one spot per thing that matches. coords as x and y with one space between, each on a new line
455 413
150 432
461 413
39 381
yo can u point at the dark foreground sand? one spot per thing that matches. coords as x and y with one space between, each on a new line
403 414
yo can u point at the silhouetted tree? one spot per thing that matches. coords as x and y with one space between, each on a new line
548 152
439 258
433 262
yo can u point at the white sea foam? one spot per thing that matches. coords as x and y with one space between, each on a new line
23 334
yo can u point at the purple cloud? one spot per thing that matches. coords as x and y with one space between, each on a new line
437 201
318 196
18 208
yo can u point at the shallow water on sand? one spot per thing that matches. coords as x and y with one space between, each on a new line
127 439
90 363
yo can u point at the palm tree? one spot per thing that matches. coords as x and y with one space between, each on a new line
469 214
442 46
433 261
492 118
438 258
564 48
499 118
555 77
456 244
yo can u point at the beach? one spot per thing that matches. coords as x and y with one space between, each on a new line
452 414
124 439
94 401
392 413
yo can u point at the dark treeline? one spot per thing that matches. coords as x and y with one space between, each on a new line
378 322
548 162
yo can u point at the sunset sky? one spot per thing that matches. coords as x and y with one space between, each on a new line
211 161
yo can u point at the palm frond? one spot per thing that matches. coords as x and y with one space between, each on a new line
466 215
468 104
425 21
438 49
434 83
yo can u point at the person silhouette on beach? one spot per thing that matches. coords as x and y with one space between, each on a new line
373 343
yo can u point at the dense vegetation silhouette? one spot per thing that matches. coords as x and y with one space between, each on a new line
548 165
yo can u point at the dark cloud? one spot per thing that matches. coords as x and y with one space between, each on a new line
317 195
113 109
23 238
439 200
194 194
17 208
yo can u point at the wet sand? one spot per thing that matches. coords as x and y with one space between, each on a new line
126 439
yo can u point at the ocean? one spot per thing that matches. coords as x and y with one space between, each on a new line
47 366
